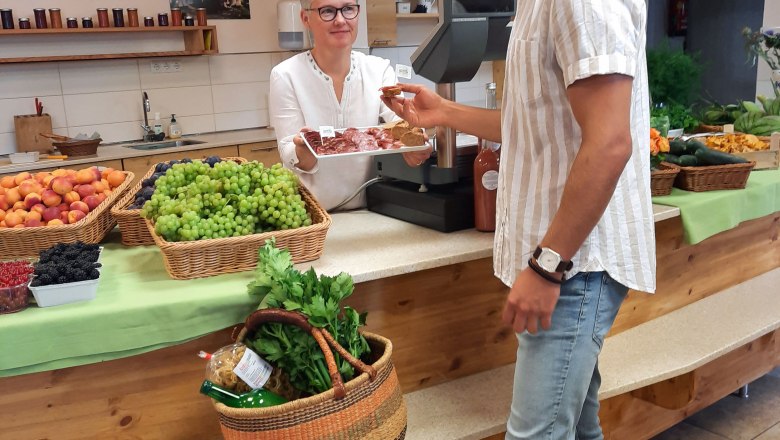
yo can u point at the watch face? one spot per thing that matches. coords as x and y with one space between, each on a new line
549 260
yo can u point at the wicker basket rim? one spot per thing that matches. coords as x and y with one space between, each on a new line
724 168
107 204
669 168
327 396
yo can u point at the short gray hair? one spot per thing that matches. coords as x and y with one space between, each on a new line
306 4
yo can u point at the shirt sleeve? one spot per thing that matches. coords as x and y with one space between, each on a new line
286 116
597 37
388 79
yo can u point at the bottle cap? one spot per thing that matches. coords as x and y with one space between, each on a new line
173 117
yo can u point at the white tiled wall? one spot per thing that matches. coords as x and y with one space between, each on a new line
223 92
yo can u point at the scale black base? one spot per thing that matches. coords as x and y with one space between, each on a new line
445 208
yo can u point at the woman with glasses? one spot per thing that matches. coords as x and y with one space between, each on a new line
330 85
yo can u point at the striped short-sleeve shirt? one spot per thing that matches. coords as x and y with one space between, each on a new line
553 44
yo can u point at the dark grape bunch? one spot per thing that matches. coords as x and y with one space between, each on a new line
67 263
147 185
195 201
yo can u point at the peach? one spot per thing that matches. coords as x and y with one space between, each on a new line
21 177
21 225
60 172
2 215
85 176
63 207
102 196
54 222
85 190
19 206
7 182
116 178
12 196
79 206
71 197
32 223
22 212
4 205
2 224
33 215
12 219
51 213
51 198
75 215
61 185
100 186
31 200
40 176
30 186
47 181
38 208
2 190
106 171
96 173
92 201
64 217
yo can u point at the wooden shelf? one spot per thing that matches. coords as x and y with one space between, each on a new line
198 40
421 16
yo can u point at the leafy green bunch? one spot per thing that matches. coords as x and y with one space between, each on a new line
679 115
278 284
674 76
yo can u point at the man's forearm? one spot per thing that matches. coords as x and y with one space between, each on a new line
480 122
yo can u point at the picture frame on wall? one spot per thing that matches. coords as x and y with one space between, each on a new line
215 9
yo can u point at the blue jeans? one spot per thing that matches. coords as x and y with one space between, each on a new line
557 377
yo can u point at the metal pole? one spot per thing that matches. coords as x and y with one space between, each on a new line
445 136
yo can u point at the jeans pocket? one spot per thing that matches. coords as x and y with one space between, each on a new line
610 297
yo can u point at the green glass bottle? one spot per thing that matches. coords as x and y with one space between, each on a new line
258 398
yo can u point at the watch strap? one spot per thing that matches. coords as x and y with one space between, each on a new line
563 266
543 273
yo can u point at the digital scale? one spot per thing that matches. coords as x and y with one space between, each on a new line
439 194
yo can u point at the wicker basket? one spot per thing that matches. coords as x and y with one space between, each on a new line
131 224
703 128
369 407
662 179
86 147
711 178
28 242
204 258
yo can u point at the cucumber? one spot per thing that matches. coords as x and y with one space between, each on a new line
672 158
708 156
688 160
677 147
693 145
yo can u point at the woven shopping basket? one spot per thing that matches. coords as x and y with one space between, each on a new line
28 242
131 224
368 407
662 179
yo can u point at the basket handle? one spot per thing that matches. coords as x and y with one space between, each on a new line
323 338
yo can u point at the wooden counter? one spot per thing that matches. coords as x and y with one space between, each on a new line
444 322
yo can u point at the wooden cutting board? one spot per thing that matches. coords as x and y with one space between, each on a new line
28 129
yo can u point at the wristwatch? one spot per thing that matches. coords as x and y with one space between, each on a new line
550 261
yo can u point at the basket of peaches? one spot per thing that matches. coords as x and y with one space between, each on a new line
39 210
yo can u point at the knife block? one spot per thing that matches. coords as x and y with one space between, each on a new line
28 129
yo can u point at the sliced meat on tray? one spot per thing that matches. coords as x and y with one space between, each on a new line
353 140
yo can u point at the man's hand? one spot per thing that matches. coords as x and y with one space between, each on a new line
424 110
531 301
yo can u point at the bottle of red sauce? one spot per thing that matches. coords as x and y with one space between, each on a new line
486 175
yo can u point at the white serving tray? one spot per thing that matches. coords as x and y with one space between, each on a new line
404 149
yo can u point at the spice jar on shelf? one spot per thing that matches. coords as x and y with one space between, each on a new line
175 17
132 17
24 23
72 22
201 16
86 23
189 21
149 21
102 14
40 18
119 17
7 17
55 18
162 19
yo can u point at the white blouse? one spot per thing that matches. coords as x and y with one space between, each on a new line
302 95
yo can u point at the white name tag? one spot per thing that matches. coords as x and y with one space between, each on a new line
326 131
253 369
403 71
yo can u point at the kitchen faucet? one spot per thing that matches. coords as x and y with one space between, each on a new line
149 134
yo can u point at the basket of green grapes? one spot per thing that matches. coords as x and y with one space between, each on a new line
210 220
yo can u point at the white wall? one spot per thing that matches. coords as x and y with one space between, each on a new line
211 93
771 19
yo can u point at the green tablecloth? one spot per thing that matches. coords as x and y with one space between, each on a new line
138 308
705 214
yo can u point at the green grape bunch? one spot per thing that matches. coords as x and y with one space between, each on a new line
193 201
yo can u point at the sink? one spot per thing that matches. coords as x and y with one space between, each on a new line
165 144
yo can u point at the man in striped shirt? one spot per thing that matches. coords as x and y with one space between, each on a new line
574 219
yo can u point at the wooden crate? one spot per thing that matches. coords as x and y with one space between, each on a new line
767 159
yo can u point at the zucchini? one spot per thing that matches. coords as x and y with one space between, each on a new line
677 147
693 145
708 156
672 158
688 160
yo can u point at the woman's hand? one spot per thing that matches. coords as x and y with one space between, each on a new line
416 158
425 110
306 160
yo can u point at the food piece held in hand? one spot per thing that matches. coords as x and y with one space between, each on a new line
390 91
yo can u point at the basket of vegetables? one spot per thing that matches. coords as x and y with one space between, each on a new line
347 382
706 169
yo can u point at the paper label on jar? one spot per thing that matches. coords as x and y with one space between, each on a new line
253 369
490 180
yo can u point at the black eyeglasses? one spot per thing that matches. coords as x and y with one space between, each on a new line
328 13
